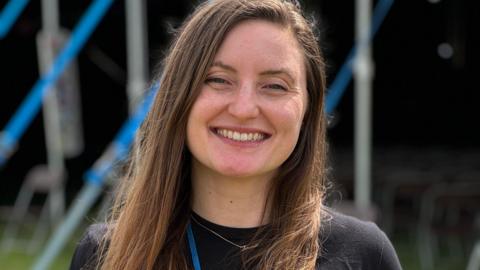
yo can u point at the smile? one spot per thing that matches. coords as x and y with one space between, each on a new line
240 136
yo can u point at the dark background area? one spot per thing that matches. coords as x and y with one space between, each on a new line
421 100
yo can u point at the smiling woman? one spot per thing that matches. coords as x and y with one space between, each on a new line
229 169
247 95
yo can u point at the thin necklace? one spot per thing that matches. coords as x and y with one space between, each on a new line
241 247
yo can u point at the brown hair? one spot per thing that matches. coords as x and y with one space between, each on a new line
152 209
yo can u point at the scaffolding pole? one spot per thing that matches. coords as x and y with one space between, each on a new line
136 51
51 111
363 88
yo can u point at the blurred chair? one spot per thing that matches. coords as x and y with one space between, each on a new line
40 179
408 184
447 211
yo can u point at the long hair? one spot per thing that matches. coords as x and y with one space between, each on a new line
147 228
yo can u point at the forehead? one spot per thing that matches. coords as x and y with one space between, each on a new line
263 43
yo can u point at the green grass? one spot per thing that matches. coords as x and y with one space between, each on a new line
17 259
409 258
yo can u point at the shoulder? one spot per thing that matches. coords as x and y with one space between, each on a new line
86 250
349 243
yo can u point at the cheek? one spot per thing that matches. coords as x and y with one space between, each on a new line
203 110
290 115
206 102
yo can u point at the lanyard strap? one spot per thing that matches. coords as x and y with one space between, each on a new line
193 248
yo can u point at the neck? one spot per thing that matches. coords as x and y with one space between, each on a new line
230 201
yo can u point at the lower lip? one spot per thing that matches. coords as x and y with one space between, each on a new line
238 143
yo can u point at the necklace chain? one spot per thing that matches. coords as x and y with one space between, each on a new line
241 247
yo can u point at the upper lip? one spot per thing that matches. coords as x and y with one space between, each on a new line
242 129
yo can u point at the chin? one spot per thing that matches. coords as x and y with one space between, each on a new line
236 171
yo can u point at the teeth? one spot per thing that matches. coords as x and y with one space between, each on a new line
237 136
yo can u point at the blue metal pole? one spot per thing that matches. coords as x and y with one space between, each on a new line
31 105
344 76
9 15
95 179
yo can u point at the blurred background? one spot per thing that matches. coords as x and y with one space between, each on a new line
425 154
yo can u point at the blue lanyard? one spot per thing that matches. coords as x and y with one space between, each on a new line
193 248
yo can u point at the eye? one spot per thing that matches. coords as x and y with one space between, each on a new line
216 80
276 86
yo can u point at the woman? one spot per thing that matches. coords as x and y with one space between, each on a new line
229 169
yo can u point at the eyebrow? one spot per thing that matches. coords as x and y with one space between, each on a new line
263 73
224 66
277 72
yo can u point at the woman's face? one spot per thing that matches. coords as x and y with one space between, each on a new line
247 117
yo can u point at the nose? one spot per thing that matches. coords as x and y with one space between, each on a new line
244 104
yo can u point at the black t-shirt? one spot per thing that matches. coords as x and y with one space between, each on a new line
347 243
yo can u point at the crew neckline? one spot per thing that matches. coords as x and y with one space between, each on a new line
227 232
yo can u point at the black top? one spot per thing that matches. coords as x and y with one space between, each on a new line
347 243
